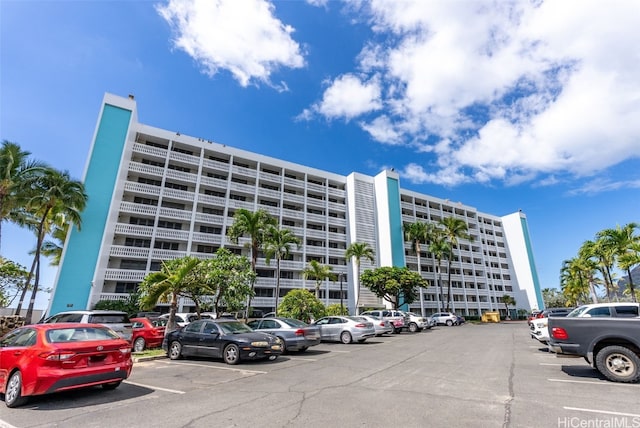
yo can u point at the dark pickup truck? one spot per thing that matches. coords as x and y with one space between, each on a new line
610 345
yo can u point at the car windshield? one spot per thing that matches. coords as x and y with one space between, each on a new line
234 327
293 322
359 319
80 334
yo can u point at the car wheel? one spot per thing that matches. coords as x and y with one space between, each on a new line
111 385
231 354
139 344
618 364
175 350
283 345
13 392
413 327
449 323
345 337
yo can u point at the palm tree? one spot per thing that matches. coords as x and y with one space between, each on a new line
418 233
440 248
621 241
175 276
508 300
574 282
277 244
53 248
54 198
453 229
357 251
318 272
589 267
254 225
604 258
16 169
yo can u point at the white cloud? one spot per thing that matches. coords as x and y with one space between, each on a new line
348 97
242 37
504 90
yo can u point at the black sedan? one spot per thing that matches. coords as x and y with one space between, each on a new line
227 339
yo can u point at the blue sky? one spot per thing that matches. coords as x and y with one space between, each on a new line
499 105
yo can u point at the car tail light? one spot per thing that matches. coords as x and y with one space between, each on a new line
382 324
360 325
125 350
299 332
559 333
57 356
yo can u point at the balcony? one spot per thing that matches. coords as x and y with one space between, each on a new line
130 207
150 150
138 188
183 157
133 230
124 275
123 251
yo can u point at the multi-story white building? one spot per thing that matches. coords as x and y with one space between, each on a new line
156 194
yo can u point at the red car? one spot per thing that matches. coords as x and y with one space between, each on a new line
44 358
147 333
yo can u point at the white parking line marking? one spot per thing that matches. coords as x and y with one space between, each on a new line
243 371
592 382
4 424
173 391
605 412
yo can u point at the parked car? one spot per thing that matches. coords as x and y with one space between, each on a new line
184 318
533 315
612 309
231 340
539 326
398 319
445 318
380 325
45 358
417 322
147 332
296 335
117 321
345 329
611 345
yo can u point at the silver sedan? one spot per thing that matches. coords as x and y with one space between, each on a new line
345 329
296 335
381 326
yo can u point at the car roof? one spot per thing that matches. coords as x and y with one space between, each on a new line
600 305
91 312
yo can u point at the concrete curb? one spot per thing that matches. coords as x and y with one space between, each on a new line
150 358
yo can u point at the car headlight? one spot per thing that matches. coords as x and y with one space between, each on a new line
260 344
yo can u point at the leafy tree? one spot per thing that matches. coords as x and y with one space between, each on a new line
277 244
357 251
167 285
12 280
603 257
16 172
574 280
53 199
319 273
253 225
553 298
393 283
336 309
228 277
454 229
302 305
130 305
508 300
53 248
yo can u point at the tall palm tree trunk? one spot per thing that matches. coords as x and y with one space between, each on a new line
26 287
277 284
631 286
420 273
34 290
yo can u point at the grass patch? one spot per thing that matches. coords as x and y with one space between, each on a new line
149 353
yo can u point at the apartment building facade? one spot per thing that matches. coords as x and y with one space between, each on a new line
155 195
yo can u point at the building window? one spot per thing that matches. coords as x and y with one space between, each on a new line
209 249
133 264
169 225
213 211
126 287
141 221
211 230
173 205
145 201
137 242
153 163
164 245
170 185
150 181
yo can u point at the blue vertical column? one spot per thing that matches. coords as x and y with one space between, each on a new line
396 230
532 265
74 282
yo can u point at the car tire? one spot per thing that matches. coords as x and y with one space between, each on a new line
345 337
175 350
231 354
449 323
13 391
413 327
139 344
111 385
618 364
284 345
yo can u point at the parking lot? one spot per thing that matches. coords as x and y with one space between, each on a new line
490 375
